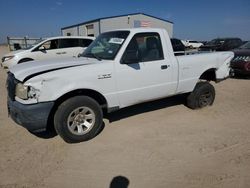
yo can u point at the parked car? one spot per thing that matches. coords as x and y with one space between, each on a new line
177 45
51 48
241 61
192 44
185 43
119 69
222 44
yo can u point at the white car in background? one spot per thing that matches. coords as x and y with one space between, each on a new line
193 44
185 43
51 48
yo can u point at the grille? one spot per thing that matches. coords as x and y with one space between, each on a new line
11 86
241 58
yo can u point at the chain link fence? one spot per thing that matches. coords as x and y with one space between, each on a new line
17 43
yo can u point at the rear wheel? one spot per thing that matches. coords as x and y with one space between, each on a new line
203 95
78 119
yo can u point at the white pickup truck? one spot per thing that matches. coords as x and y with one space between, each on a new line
120 68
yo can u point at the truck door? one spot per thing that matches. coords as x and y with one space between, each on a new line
144 73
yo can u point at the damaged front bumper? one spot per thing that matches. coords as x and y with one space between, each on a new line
33 117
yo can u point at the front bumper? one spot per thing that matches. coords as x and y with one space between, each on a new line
33 117
4 66
241 72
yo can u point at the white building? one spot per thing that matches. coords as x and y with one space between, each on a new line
100 25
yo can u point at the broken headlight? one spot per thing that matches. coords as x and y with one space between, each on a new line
25 92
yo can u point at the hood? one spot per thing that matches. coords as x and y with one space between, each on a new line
29 69
242 52
14 53
209 46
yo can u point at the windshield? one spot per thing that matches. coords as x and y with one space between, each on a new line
245 46
29 46
106 46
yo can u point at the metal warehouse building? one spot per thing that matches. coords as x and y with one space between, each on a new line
100 25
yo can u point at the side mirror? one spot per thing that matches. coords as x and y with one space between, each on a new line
42 48
130 57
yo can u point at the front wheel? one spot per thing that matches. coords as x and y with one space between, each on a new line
78 119
203 95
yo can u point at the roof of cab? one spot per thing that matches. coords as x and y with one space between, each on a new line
70 37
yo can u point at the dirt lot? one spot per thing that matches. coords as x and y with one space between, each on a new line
159 144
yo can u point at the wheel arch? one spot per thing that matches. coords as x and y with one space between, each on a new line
98 97
208 75
25 60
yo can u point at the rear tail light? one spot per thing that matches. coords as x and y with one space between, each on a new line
247 66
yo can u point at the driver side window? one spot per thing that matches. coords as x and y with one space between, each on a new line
50 45
144 47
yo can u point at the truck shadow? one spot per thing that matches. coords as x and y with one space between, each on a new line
51 132
46 134
146 107
125 113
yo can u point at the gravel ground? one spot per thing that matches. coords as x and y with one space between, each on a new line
159 144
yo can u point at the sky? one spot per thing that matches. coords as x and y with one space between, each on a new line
193 19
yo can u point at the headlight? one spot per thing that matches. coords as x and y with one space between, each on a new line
25 92
6 58
22 91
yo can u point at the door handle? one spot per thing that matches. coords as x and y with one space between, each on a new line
165 66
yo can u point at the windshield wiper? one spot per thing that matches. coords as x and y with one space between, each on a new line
92 55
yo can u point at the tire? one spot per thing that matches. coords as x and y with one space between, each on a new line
25 60
203 95
78 119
